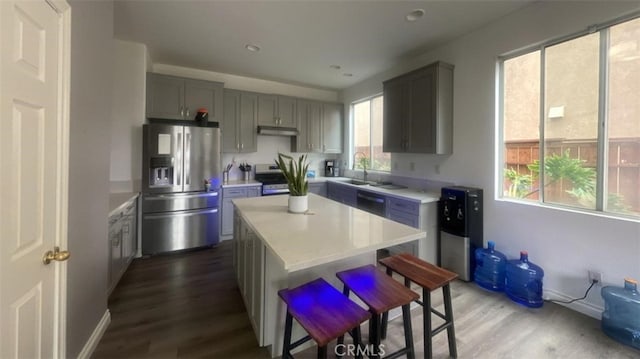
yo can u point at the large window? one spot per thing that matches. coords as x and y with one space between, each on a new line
570 116
367 136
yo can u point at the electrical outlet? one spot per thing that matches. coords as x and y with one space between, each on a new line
595 277
412 166
395 165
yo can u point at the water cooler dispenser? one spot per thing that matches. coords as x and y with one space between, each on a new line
460 216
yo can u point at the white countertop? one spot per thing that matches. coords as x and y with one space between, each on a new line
118 201
330 231
241 183
403 193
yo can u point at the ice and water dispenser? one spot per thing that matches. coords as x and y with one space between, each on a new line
460 216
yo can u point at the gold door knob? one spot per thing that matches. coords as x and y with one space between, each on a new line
55 255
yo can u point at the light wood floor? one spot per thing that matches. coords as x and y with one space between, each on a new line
188 305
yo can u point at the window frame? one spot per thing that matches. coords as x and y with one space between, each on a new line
351 163
602 140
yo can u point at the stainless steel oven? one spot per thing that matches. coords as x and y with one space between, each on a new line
272 179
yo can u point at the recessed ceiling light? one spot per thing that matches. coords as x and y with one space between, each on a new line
335 67
347 74
415 15
252 48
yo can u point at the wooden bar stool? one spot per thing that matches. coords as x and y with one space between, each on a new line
430 278
323 312
381 293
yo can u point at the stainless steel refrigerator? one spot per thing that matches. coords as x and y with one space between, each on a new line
181 179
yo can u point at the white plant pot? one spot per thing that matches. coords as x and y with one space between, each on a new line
298 204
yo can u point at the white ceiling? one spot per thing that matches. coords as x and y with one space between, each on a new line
299 40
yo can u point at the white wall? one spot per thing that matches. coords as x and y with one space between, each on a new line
566 244
127 116
90 115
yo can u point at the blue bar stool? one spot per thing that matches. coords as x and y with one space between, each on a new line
381 293
324 313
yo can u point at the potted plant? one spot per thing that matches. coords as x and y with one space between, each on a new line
296 174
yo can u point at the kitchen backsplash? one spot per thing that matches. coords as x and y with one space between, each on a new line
268 148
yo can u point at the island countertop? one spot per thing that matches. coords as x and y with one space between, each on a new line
328 232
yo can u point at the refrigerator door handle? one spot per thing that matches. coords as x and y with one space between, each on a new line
181 214
187 156
178 172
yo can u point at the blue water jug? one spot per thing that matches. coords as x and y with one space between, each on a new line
490 268
621 316
523 281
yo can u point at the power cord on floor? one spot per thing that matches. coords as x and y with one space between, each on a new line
593 282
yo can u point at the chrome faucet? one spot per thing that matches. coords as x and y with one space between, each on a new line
364 164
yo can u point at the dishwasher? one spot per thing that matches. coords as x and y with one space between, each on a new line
377 204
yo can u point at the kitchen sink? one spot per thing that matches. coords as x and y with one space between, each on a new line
357 182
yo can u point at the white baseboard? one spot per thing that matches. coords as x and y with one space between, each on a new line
586 308
94 339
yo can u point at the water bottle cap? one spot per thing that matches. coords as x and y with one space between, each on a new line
524 256
491 244
524 253
631 281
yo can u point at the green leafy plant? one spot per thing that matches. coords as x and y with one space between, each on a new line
295 172
556 167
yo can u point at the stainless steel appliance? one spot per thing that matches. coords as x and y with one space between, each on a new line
181 179
272 179
331 169
371 202
461 229
377 204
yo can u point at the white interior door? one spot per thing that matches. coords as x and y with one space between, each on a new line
33 184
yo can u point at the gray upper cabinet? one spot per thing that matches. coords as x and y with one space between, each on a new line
418 111
274 110
309 137
319 127
176 98
239 122
332 128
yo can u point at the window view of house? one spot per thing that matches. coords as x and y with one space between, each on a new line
583 164
367 135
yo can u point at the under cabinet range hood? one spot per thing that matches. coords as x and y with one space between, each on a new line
277 131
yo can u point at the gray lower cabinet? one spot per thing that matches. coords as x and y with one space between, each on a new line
319 188
123 242
418 215
342 193
176 98
228 194
239 123
418 111
249 262
411 212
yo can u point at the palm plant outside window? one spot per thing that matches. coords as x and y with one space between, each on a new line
570 119
367 135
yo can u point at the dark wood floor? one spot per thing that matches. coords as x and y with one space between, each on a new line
179 306
188 305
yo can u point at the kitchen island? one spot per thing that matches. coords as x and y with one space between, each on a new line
275 249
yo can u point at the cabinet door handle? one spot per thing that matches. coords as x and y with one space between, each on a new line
242 146
187 112
181 111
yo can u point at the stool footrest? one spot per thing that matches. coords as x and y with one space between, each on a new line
441 328
439 314
299 342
